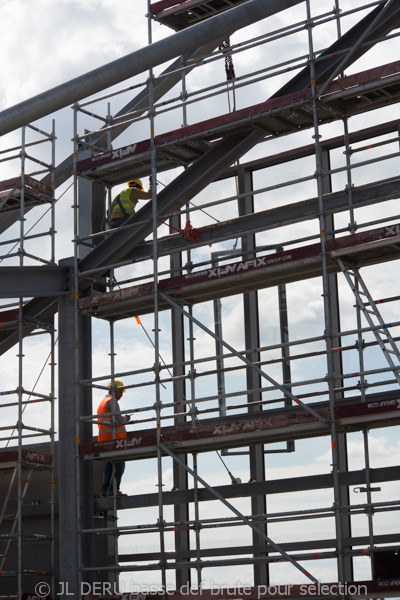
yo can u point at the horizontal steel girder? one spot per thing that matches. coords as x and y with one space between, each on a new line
215 28
314 544
34 281
276 486
281 216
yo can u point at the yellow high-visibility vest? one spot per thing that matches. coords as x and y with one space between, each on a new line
127 207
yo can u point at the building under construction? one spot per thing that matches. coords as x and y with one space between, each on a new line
254 293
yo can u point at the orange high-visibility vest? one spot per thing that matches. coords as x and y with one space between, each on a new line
105 430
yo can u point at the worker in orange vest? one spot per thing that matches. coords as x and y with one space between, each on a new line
123 205
112 427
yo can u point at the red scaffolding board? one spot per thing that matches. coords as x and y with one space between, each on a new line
269 426
347 96
366 248
29 459
179 14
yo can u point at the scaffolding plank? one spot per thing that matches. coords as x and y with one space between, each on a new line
271 426
31 182
179 14
30 459
281 115
35 193
370 247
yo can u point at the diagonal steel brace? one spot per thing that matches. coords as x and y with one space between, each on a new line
282 388
238 513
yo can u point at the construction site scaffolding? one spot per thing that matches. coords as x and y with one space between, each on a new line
186 404
27 551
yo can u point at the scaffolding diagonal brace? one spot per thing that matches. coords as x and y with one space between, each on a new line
238 513
280 387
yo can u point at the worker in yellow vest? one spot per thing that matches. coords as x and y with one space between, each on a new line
123 205
112 426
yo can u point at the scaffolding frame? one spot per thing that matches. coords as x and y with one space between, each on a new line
331 337
183 370
21 460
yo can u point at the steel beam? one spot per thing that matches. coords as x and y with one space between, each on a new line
275 486
180 477
287 546
253 379
68 517
280 216
34 281
214 29
164 82
209 167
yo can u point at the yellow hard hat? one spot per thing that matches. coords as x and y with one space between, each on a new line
117 383
133 182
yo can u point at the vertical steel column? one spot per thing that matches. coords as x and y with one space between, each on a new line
180 478
113 576
67 445
83 207
20 370
285 350
252 340
342 458
219 350
53 186
369 509
327 304
156 315
194 422
77 354
349 186
86 434
52 471
197 522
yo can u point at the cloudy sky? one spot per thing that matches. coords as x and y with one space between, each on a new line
54 42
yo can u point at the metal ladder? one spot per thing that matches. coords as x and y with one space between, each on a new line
380 329
10 536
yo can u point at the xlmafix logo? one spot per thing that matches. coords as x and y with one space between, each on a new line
261 261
